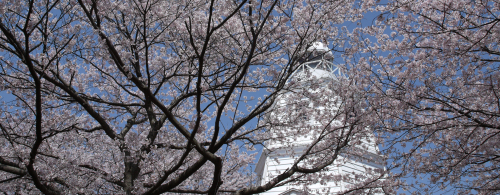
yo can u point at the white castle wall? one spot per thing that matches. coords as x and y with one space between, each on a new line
267 168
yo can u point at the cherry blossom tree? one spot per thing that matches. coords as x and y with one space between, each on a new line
432 68
153 96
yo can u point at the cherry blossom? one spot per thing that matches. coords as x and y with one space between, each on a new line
147 96
431 75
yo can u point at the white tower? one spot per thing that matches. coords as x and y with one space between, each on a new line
276 159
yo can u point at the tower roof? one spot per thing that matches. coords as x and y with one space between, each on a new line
318 46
